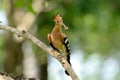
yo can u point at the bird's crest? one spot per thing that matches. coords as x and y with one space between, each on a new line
58 19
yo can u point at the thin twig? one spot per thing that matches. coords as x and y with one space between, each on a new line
40 44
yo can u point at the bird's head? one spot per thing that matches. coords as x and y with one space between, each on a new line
58 20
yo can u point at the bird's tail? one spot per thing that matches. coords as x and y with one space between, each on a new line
66 73
68 59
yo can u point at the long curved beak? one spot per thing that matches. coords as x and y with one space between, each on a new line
66 28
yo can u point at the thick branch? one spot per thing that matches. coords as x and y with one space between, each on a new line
5 76
40 44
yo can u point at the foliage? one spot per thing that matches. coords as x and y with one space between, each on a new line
94 25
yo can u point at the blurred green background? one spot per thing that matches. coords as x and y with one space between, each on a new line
94 36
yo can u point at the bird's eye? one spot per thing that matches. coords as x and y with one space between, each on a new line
60 15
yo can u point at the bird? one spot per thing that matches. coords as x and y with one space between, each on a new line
58 40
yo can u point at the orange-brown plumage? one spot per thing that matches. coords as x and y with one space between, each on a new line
58 39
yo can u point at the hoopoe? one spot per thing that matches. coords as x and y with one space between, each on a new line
58 40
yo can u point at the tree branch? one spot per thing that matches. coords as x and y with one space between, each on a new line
5 76
40 44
